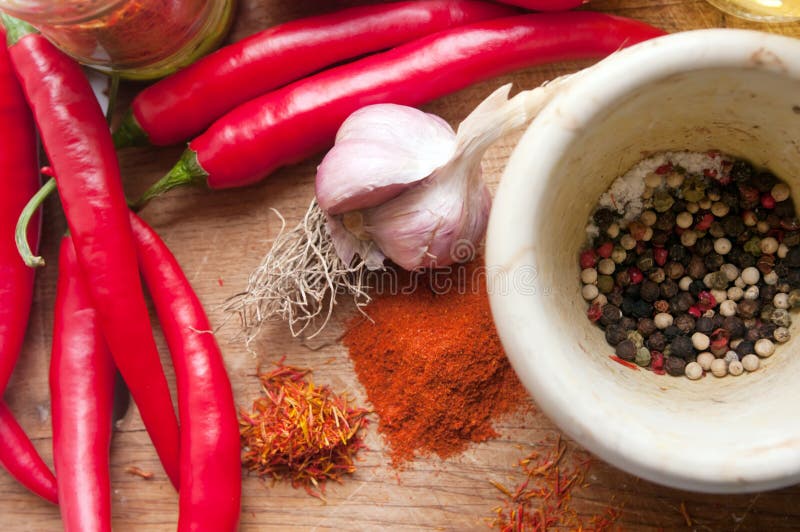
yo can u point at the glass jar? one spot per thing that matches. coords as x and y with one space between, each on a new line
140 39
761 10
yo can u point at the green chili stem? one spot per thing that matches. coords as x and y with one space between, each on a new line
21 232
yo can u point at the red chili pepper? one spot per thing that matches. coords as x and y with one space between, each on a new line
210 454
287 125
82 393
77 141
545 5
20 458
19 180
187 102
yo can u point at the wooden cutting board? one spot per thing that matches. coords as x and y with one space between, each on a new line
220 237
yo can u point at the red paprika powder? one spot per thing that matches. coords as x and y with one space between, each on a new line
433 366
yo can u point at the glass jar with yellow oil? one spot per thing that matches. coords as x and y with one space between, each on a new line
139 39
761 10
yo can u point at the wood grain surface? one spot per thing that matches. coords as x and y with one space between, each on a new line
220 237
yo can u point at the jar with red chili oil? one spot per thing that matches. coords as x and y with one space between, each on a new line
139 39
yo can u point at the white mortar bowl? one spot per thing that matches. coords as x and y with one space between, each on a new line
732 90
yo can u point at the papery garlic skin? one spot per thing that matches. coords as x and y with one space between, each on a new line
380 151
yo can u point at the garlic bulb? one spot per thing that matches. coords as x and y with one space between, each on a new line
399 184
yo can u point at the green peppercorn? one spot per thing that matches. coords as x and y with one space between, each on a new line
642 357
694 188
662 201
753 246
718 281
674 366
605 283
636 338
794 298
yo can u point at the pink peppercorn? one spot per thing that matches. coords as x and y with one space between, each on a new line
595 312
664 169
767 201
694 311
657 362
704 222
605 250
588 259
710 173
705 301
636 275
660 255
719 339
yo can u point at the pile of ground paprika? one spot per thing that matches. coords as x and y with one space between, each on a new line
432 364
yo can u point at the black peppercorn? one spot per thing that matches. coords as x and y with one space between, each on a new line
767 293
656 341
746 261
615 334
704 246
793 258
784 209
773 220
627 305
741 171
633 290
623 278
665 221
734 326
792 239
671 332
748 197
677 252
696 287
717 320
764 181
767 330
752 334
669 289
765 263
603 218
747 308
716 230
650 291
745 348
626 350
646 327
781 269
713 261
793 277
704 325
733 226
685 322
681 346
642 309
610 314
679 206
614 298
674 366
697 268
683 301
628 323
660 238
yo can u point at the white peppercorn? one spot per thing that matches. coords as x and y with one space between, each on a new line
618 254
735 343
663 320
647 236
653 180
762 227
781 301
735 368
606 266
627 242
674 180
692 207
780 192
719 295
684 220
749 218
781 335
684 283
688 238
589 276
722 246
735 293
613 230
730 356
751 275
783 250
705 359
589 292
693 371
708 279
704 204
739 282
771 278
751 293
719 368
769 245
700 341
600 300
648 217
728 307
730 271
764 348
750 362
719 209
648 193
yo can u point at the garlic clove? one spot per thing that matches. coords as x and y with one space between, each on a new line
380 151
348 246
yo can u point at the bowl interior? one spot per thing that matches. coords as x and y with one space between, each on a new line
732 434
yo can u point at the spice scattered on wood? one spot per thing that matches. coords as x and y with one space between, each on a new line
300 431
433 366
543 499
133 470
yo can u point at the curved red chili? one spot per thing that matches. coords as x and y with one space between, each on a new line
19 181
210 454
187 102
289 124
545 5
81 394
20 458
78 143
